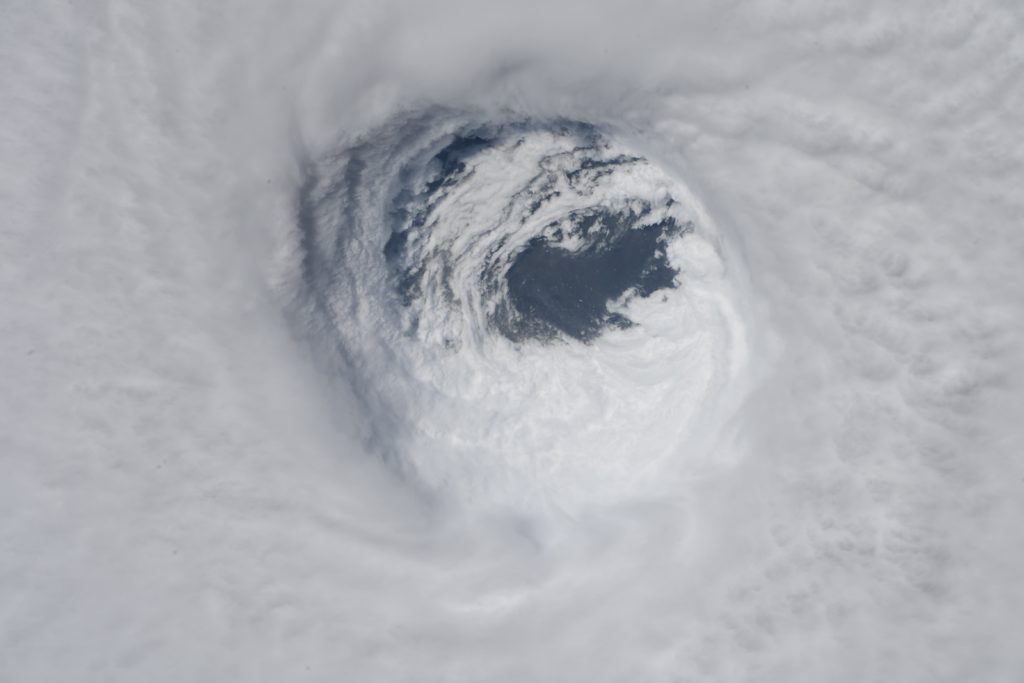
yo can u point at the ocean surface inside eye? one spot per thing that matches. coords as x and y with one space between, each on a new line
554 289
560 282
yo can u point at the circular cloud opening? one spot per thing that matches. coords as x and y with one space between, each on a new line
533 313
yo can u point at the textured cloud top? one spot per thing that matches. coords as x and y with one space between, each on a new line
528 341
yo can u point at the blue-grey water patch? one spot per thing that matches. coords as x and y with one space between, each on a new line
554 290
546 289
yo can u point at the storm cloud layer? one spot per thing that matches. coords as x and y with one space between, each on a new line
474 342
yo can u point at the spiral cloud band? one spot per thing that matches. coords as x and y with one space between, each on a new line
393 341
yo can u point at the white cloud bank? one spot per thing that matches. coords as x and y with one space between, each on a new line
183 493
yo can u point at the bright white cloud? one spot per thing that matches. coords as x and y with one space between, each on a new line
186 491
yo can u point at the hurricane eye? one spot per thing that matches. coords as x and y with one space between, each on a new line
529 305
